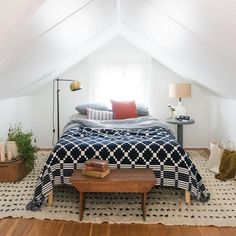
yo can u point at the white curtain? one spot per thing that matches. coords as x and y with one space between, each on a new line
122 80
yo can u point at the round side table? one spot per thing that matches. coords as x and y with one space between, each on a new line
180 124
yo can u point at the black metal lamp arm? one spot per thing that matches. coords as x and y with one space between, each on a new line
63 80
58 103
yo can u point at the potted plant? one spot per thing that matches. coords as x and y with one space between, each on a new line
22 150
171 110
24 143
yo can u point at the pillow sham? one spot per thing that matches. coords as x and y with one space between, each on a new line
99 115
82 108
142 110
124 109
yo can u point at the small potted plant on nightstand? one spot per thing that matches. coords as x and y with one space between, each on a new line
17 168
171 110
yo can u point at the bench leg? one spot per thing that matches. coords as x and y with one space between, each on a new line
50 198
144 200
187 197
82 205
84 202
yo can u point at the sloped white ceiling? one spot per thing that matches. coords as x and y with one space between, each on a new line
213 20
49 42
194 38
208 65
14 13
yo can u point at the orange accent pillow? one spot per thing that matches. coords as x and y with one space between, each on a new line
124 110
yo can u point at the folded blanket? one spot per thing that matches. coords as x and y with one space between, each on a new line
133 123
227 166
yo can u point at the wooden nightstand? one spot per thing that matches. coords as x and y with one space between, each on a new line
180 124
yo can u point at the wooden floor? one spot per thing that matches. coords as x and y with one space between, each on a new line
33 227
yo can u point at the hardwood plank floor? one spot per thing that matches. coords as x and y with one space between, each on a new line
34 227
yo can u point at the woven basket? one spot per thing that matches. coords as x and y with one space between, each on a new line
13 171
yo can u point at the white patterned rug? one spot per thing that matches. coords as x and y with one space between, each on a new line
164 205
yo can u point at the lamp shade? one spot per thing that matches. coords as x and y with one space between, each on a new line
180 90
75 85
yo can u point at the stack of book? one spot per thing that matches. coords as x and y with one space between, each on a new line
96 168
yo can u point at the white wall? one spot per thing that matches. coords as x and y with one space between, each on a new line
43 105
197 106
194 135
222 116
13 111
214 117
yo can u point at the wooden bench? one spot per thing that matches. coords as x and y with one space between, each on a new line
118 181
84 180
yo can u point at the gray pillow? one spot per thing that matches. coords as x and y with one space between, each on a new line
142 110
82 108
78 116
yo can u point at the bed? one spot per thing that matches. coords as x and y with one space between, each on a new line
142 142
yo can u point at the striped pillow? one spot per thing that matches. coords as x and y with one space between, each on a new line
99 115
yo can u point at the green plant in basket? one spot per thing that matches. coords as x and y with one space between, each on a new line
24 142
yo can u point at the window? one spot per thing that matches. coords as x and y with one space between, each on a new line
119 79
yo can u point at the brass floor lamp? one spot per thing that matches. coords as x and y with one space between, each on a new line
74 86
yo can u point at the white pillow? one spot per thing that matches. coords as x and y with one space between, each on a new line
99 115
82 108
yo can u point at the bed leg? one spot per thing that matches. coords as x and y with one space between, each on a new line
187 197
50 198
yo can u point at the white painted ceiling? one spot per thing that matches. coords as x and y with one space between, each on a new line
41 39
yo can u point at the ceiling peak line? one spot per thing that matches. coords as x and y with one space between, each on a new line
212 45
118 6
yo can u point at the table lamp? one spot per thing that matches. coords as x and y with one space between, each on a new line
180 91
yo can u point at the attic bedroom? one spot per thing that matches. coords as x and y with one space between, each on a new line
117 117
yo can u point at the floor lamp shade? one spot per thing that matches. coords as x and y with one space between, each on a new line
180 91
75 85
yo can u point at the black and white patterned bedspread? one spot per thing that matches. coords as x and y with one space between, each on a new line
153 148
